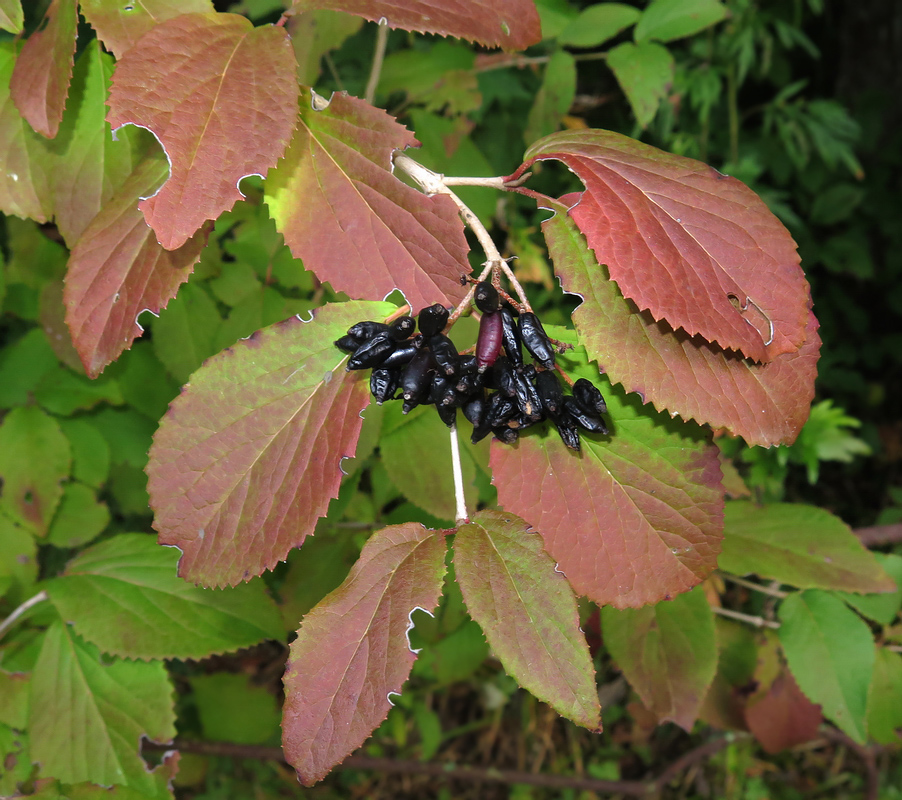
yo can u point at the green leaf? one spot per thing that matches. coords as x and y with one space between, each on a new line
87 716
555 15
79 518
11 18
881 608
416 453
14 689
418 73
554 98
16 760
598 23
666 20
34 460
143 380
724 705
885 698
800 545
22 365
127 433
185 333
64 392
668 653
352 650
247 458
528 613
645 73
315 33
232 709
830 651
123 595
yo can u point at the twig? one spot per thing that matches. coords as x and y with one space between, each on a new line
758 622
866 754
459 500
877 535
7 623
378 57
755 587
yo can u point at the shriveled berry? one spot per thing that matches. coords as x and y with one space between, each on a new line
417 376
506 435
589 397
488 345
404 352
583 418
549 390
447 414
468 383
486 297
474 410
536 340
501 409
467 365
367 329
568 431
502 377
432 320
384 383
401 328
348 344
510 338
527 398
438 387
372 352
445 353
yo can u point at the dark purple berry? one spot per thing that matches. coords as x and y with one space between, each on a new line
510 338
401 328
384 383
488 345
447 414
367 330
417 377
536 340
550 393
445 353
589 398
404 352
486 297
372 352
584 419
432 320
348 344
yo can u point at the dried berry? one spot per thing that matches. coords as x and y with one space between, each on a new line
367 330
486 297
384 383
348 344
371 353
432 320
507 435
589 398
536 340
401 328
502 377
549 390
404 352
445 353
474 410
583 418
568 431
510 338
447 414
416 377
488 345
527 398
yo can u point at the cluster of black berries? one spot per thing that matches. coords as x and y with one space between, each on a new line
496 392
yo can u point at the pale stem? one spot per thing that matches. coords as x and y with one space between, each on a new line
376 70
7 623
755 587
758 622
461 513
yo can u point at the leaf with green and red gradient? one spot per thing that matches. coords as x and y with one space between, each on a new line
221 97
120 25
667 652
25 155
89 166
351 221
248 457
830 651
528 613
634 518
117 270
692 246
511 24
352 649
780 716
801 545
11 17
766 404
41 77
87 714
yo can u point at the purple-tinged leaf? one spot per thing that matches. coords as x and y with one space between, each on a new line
780 716
351 221
40 80
668 653
692 246
830 651
528 613
248 457
511 24
88 715
119 24
635 517
800 545
27 167
352 649
117 270
221 97
766 404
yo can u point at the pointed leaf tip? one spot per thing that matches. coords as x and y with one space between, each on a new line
352 649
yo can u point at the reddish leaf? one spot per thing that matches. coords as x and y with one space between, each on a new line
247 459
668 653
40 80
120 25
221 96
117 270
528 613
782 717
635 517
696 248
25 177
355 224
352 649
511 24
766 404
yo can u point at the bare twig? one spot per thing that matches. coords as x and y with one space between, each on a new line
865 753
459 500
7 623
755 587
877 535
378 57
758 622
